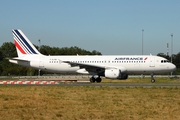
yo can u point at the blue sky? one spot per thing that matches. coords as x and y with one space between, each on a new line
108 26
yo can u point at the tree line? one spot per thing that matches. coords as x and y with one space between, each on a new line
8 50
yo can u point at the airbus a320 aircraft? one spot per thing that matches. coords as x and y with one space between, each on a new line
109 66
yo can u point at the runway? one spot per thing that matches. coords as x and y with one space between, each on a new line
55 81
124 85
146 85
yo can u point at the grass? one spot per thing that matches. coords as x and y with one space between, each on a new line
76 103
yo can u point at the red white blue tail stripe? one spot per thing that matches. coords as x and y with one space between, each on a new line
22 43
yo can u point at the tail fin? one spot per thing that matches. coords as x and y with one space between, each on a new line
23 45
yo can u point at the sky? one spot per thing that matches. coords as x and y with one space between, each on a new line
112 27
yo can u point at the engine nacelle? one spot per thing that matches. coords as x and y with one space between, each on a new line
115 74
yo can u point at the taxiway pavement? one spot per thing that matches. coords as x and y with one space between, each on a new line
125 85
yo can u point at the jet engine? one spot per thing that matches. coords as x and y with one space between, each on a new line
115 74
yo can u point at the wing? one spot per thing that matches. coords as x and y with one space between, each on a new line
88 67
93 68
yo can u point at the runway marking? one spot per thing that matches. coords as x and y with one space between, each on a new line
35 82
75 83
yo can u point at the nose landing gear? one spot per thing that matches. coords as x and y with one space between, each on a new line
152 78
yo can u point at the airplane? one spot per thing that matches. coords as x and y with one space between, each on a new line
108 66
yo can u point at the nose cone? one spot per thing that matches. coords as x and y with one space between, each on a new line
173 67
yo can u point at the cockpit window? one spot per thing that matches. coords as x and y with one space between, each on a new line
164 61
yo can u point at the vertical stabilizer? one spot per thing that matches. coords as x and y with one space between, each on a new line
23 45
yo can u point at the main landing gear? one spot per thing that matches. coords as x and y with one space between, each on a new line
98 79
93 79
152 78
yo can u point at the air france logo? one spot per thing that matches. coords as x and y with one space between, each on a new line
131 58
146 58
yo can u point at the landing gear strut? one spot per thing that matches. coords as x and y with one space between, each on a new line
152 78
93 79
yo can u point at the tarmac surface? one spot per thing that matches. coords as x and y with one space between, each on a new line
146 85
125 85
80 81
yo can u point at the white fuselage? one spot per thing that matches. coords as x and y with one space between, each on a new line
144 64
113 67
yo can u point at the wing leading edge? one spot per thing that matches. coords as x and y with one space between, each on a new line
92 68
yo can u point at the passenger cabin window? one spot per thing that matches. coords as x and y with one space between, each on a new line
164 61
